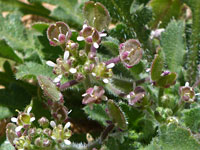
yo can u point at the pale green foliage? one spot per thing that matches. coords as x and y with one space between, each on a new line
174 137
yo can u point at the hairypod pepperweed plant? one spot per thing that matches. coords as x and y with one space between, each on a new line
99 75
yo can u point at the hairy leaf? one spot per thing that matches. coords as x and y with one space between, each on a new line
173 137
156 67
31 69
173 45
116 115
98 113
191 118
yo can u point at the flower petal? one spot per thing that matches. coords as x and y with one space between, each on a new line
18 128
50 63
67 142
53 124
105 80
13 119
66 55
57 79
111 65
32 119
29 110
67 125
80 38
96 45
73 70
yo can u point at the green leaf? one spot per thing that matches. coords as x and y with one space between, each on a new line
166 81
133 115
5 112
67 11
122 83
173 45
112 45
116 115
40 26
32 70
191 118
96 15
7 52
156 67
173 137
13 6
97 113
12 30
16 36
164 11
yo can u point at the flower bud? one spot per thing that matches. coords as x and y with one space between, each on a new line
43 122
47 131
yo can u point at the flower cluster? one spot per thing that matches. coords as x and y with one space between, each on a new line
23 135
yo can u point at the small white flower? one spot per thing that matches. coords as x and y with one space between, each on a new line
111 65
50 63
67 142
72 70
80 38
96 45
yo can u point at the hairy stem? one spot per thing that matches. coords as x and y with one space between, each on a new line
113 60
68 84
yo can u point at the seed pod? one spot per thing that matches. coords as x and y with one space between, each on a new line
187 94
130 52
49 88
58 33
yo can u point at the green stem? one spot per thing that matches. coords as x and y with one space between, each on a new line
160 94
179 106
195 38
